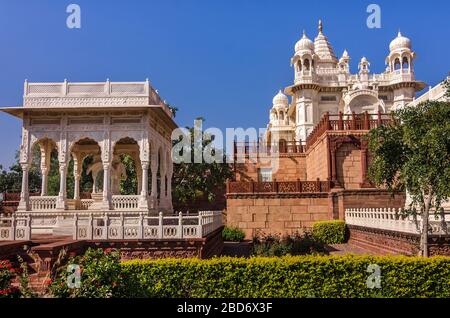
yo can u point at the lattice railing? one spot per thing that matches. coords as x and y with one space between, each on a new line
43 203
125 202
242 187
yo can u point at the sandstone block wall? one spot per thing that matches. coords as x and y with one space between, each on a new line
317 160
348 166
282 216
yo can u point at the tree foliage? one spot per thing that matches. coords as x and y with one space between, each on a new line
413 154
193 181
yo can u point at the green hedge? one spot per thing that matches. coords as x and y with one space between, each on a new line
330 232
299 276
232 234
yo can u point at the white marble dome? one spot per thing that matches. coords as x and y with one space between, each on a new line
280 100
305 44
400 42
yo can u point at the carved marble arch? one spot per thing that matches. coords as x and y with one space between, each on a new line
74 137
38 138
364 103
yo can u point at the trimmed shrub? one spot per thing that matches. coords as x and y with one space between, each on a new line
233 234
330 232
290 276
272 245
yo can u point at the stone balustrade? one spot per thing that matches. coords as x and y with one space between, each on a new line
115 225
86 203
125 202
395 220
43 203
110 226
15 228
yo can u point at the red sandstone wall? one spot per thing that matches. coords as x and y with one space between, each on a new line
317 160
348 166
283 216
290 168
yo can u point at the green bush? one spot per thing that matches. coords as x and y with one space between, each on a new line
101 276
232 234
273 245
290 276
330 232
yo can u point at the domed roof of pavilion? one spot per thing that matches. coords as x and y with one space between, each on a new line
280 100
304 44
400 42
323 48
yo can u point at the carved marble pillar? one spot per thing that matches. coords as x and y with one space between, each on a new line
162 193
143 202
154 190
44 183
24 195
62 195
169 185
77 177
106 203
46 151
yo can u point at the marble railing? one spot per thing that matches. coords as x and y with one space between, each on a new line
41 203
395 220
125 202
86 203
114 225
127 227
15 228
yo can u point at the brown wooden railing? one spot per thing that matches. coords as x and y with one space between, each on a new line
283 147
364 121
242 187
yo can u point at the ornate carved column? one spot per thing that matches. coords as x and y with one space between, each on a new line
24 195
154 191
143 202
44 183
77 166
46 151
169 184
162 193
61 201
106 203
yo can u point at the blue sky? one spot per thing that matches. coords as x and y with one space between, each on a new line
222 60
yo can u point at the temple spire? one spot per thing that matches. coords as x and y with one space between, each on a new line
320 26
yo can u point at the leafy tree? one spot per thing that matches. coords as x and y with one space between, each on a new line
413 154
193 181
130 184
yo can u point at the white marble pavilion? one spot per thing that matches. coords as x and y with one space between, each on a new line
103 120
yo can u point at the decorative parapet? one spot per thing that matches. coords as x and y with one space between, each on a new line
100 94
346 122
276 187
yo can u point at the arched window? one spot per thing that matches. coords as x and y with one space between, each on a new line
299 66
405 63
281 115
397 64
306 64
